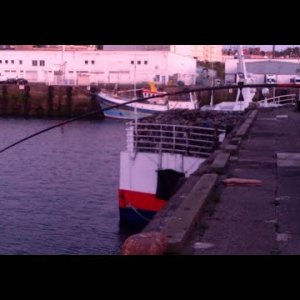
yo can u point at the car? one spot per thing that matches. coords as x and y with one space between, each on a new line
22 81
11 81
15 81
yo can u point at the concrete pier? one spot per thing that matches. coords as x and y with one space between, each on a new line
242 219
257 220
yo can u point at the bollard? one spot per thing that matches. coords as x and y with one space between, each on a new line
148 243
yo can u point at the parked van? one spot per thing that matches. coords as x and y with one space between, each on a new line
295 80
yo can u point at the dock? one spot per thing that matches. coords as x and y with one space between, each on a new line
262 219
258 214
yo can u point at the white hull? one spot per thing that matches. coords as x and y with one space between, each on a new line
139 109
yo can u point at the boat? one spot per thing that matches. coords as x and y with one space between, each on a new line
159 157
163 150
142 108
244 95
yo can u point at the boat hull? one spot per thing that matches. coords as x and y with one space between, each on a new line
127 112
138 208
139 183
135 218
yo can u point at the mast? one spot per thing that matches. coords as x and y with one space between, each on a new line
243 97
212 84
242 65
62 68
135 97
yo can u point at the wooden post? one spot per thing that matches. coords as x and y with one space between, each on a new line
4 100
26 98
50 101
94 103
69 101
59 101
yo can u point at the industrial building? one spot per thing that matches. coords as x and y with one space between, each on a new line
283 69
70 67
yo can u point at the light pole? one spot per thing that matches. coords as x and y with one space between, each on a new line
212 85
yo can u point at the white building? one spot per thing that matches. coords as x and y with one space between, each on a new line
86 67
284 69
201 52
211 53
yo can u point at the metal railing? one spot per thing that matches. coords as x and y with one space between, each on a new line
277 101
186 140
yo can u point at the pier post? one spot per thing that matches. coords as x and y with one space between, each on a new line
59 101
94 102
69 101
4 100
26 99
50 101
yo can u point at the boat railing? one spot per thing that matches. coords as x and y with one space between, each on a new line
283 100
181 139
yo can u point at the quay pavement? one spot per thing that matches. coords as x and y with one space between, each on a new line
257 220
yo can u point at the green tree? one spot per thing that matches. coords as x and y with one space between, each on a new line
219 67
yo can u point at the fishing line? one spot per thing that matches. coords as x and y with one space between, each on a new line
186 90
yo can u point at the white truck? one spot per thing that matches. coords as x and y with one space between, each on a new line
270 78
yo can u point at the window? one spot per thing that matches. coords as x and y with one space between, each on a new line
139 62
34 63
145 62
93 62
20 62
6 61
132 62
0 61
86 62
42 63
12 61
156 78
71 72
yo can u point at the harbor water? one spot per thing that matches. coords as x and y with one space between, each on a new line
58 190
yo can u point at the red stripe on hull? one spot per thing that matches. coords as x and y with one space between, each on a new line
139 200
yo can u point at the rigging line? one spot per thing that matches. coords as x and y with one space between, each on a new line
137 212
50 128
72 120
187 90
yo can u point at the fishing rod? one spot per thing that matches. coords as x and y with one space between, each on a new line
184 91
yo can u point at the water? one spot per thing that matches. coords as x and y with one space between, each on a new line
58 191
